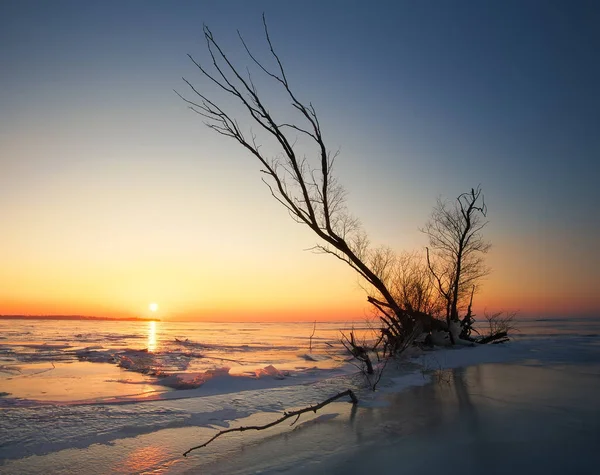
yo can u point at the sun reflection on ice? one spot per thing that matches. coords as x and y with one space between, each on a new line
143 460
151 336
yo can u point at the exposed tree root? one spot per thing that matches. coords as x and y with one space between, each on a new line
286 415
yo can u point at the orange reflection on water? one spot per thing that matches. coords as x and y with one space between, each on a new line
151 336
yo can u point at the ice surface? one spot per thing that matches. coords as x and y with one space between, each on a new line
492 418
130 421
159 353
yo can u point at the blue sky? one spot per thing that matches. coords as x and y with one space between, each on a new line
105 173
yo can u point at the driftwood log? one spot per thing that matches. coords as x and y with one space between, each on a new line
492 338
286 415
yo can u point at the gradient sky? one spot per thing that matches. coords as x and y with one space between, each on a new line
114 195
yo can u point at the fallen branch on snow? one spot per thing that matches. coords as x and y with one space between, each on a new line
286 415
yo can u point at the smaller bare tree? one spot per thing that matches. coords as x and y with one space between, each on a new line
456 249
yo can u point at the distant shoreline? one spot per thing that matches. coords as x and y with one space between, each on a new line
76 317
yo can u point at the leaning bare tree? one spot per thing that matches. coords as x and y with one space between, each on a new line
302 182
456 250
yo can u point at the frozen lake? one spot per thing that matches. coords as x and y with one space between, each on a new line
527 406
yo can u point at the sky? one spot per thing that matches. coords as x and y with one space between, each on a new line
113 195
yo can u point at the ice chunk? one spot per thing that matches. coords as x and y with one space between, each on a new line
270 371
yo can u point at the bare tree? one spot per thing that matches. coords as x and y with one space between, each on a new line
304 184
456 248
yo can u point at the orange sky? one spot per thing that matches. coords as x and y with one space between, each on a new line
113 195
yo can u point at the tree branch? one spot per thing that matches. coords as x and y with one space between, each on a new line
286 415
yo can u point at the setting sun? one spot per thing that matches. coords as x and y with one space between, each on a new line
153 307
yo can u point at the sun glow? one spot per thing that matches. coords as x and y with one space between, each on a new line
153 307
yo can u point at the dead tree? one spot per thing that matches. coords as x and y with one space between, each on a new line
456 248
303 183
